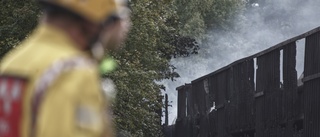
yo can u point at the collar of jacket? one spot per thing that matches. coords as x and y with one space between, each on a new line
58 38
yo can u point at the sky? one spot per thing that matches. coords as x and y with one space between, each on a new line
263 26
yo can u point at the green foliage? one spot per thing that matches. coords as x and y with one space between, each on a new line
143 61
195 18
194 27
17 18
198 16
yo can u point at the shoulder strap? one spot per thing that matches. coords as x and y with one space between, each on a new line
48 77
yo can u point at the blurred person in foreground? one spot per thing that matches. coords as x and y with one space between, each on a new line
50 84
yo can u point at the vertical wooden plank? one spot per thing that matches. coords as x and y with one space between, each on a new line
268 82
251 90
221 86
182 106
234 98
312 86
182 102
290 88
188 88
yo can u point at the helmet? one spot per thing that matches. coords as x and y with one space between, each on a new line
96 11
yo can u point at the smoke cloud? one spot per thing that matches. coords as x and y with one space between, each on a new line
265 24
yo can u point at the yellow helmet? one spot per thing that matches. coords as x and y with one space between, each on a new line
96 11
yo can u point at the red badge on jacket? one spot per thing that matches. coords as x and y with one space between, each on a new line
11 101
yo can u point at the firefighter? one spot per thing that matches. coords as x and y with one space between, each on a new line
49 85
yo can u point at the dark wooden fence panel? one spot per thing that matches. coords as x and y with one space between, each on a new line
268 83
200 97
213 120
189 100
219 84
312 86
242 99
182 104
185 123
201 91
289 89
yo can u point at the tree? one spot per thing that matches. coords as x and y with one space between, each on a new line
143 61
17 19
196 17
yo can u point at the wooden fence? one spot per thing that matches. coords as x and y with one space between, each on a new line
257 96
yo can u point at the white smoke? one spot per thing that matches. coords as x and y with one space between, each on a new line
264 25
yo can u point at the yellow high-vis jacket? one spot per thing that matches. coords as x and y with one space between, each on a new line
49 88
